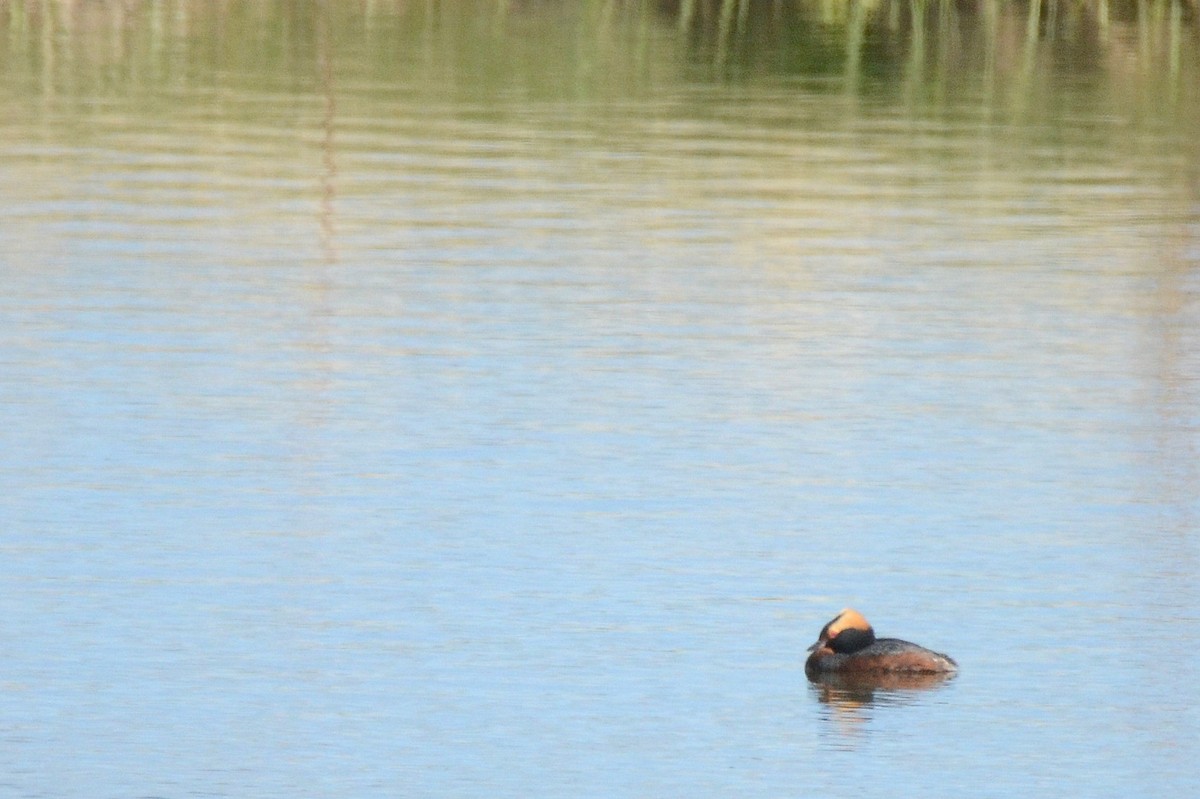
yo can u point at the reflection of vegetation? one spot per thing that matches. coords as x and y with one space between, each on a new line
238 80
538 48
943 37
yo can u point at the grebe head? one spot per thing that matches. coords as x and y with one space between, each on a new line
847 632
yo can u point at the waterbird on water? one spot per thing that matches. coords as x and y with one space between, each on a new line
847 646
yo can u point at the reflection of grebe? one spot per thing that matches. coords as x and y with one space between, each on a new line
848 648
852 698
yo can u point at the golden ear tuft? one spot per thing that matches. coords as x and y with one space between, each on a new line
848 619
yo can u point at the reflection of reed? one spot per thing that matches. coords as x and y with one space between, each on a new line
328 162
1011 37
885 33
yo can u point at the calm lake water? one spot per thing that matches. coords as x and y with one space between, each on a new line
494 400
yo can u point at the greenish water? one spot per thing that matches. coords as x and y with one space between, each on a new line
495 399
